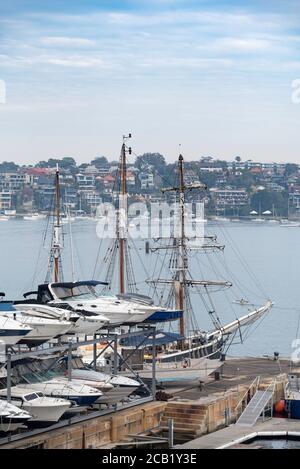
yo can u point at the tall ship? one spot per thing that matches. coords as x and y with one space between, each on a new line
192 352
184 350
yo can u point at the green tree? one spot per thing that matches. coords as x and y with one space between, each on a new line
67 163
99 161
290 168
7 166
267 200
156 160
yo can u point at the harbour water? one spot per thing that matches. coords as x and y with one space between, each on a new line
271 251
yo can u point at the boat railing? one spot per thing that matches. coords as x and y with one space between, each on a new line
247 396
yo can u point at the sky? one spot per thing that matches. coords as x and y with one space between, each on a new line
213 77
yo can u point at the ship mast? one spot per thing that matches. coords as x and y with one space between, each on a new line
180 280
54 273
182 257
122 218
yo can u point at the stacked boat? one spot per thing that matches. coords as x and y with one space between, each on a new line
43 391
11 417
42 410
116 388
12 331
110 310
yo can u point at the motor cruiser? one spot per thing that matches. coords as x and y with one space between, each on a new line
82 297
11 417
42 329
80 324
116 388
42 409
79 394
11 331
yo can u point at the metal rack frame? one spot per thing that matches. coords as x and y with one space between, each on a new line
112 337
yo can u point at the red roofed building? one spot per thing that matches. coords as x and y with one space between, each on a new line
109 179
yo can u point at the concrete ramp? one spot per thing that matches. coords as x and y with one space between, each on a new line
255 407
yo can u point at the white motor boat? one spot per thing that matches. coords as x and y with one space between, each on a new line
11 417
34 216
42 329
116 388
79 394
11 331
81 371
116 393
42 409
82 297
221 219
289 224
79 324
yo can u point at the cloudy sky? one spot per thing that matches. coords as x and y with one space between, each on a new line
214 76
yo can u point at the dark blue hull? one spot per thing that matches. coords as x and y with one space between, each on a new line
83 400
293 408
162 316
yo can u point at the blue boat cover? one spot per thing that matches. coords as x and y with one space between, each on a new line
161 338
7 306
161 316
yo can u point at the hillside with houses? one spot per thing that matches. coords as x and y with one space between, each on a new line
234 188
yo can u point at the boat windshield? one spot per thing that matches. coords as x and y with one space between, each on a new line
30 397
86 292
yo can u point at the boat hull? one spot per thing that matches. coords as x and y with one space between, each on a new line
12 337
79 394
45 415
41 333
116 395
8 424
195 369
292 407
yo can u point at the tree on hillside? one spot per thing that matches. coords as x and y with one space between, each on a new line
7 166
67 163
99 161
243 180
290 168
51 163
82 166
266 200
155 160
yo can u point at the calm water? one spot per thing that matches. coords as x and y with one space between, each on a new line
273 253
273 443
